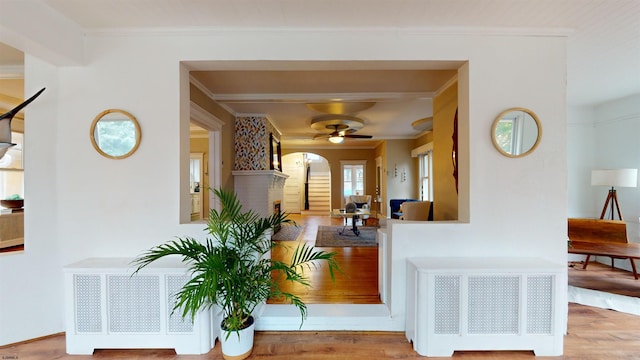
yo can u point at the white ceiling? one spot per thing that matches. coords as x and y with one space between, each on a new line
603 46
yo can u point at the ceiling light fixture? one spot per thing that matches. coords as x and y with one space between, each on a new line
336 139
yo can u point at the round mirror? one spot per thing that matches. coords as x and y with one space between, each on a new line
115 134
516 132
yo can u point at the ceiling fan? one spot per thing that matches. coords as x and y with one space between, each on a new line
337 136
340 127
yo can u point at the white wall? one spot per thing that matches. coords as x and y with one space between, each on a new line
617 127
581 151
101 207
31 282
517 207
604 137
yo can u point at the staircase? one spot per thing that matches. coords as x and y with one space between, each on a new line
319 192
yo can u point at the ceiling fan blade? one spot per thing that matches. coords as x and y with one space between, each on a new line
355 136
321 136
340 133
344 132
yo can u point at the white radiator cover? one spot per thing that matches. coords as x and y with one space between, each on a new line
484 304
106 308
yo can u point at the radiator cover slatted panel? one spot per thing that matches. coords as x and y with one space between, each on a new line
87 293
134 303
494 304
539 304
175 322
447 304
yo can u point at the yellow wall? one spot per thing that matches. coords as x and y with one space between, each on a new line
399 158
444 189
334 157
423 139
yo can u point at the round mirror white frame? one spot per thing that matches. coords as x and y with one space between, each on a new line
516 132
115 134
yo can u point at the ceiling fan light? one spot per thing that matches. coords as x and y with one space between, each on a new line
336 139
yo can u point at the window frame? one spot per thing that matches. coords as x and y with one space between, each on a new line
426 175
344 163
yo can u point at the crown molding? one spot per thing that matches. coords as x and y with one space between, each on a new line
10 72
339 147
618 119
304 31
320 97
203 118
446 85
209 94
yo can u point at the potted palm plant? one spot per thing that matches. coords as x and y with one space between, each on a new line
233 270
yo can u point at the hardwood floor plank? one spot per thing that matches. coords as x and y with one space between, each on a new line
357 284
602 277
593 334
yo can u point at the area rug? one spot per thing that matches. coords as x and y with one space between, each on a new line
329 236
287 233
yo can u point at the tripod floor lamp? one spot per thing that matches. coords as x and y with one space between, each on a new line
614 178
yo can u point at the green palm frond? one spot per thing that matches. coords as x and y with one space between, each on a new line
230 268
305 255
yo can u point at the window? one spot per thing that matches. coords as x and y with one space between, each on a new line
424 153
426 183
353 178
11 169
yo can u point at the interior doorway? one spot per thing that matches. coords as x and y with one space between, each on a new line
293 166
308 188
196 184
205 148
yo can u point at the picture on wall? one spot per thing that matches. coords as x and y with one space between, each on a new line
275 162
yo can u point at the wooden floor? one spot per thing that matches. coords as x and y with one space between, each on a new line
603 278
593 334
358 284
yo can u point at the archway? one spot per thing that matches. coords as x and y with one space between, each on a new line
308 188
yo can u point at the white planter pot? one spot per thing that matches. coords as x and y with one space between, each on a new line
237 347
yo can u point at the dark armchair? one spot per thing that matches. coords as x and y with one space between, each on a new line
395 207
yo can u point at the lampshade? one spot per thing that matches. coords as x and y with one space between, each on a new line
336 139
615 177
